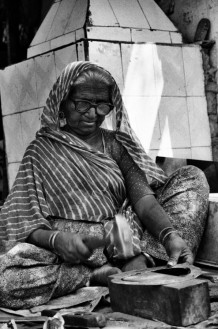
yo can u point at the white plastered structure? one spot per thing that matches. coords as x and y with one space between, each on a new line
161 78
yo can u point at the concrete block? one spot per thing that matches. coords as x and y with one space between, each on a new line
194 75
78 16
184 153
63 57
18 87
80 34
156 18
81 51
14 140
174 123
138 70
12 171
109 33
63 40
176 37
143 115
39 49
122 10
42 33
101 14
60 21
108 55
145 35
45 76
173 301
30 124
169 70
198 121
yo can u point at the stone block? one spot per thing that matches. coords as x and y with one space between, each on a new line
175 302
81 51
156 18
138 70
109 33
39 49
146 35
12 171
45 76
198 121
80 34
14 140
78 16
42 33
60 21
143 115
63 57
122 10
18 87
175 153
101 14
169 70
174 123
63 40
193 66
108 55
176 37
30 124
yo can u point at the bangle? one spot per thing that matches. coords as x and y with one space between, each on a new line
51 240
161 234
167 234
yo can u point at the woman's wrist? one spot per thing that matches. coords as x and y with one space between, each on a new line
44 239
167 233
51 241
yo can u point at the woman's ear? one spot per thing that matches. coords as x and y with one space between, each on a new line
61 114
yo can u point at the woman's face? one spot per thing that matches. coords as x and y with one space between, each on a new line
87 123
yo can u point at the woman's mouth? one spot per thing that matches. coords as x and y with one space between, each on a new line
89 122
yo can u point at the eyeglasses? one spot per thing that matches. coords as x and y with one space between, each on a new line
83 106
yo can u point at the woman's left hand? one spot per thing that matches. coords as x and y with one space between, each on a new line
177 249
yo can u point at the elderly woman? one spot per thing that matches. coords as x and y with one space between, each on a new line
74 178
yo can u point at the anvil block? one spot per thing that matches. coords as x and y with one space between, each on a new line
180 304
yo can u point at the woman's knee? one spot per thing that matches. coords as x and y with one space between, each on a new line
196 178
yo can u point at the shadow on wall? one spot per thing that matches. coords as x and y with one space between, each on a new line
165 108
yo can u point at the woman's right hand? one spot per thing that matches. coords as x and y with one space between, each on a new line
71 248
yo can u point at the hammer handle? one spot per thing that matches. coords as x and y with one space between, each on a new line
94 242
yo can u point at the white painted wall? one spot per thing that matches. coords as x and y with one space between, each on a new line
162 86
162 81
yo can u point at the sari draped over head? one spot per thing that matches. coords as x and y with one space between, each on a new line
61 176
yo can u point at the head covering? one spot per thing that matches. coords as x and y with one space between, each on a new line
117 121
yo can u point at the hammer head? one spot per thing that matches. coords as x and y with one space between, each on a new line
120 236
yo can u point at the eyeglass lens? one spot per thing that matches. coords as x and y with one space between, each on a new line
102 109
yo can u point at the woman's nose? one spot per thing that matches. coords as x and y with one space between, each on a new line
91 113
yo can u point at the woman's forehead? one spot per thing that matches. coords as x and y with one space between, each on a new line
90 92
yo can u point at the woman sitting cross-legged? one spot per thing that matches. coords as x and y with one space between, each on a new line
74 178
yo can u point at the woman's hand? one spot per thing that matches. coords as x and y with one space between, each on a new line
177 249
71 248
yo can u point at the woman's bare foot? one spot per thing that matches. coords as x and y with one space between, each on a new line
100 275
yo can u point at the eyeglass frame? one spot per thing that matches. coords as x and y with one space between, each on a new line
95 105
